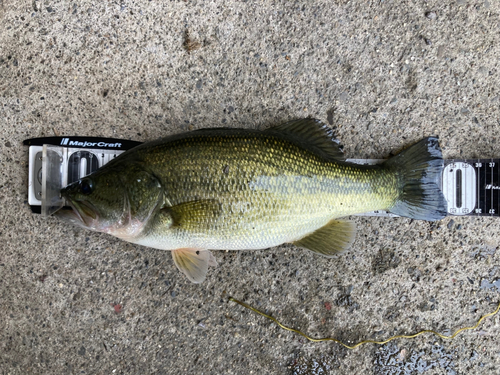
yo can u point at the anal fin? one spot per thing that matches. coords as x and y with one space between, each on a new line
331 239
193 263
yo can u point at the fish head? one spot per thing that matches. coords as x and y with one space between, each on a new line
118 201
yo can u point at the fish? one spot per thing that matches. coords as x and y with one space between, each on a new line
246 189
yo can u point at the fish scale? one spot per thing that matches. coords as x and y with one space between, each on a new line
280 182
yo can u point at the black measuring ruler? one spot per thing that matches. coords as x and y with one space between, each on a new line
472 186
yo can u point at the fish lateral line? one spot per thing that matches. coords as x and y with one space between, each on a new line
312 339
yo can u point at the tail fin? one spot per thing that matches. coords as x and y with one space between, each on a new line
420 168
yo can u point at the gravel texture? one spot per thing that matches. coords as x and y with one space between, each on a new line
383 74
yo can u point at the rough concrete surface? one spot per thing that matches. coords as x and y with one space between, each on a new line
383 74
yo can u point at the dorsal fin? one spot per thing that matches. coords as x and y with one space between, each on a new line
312 135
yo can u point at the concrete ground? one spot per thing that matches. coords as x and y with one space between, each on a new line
383 74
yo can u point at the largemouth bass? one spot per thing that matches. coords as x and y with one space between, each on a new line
241 189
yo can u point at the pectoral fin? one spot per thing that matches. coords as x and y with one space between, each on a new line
194 214
194 263
330 240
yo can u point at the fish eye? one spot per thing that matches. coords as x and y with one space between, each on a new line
86 186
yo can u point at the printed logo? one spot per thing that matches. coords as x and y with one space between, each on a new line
492 187
67 142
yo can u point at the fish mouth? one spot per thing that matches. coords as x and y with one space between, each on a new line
83 211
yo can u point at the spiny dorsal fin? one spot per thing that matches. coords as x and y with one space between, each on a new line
330 240
193 263
313 135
